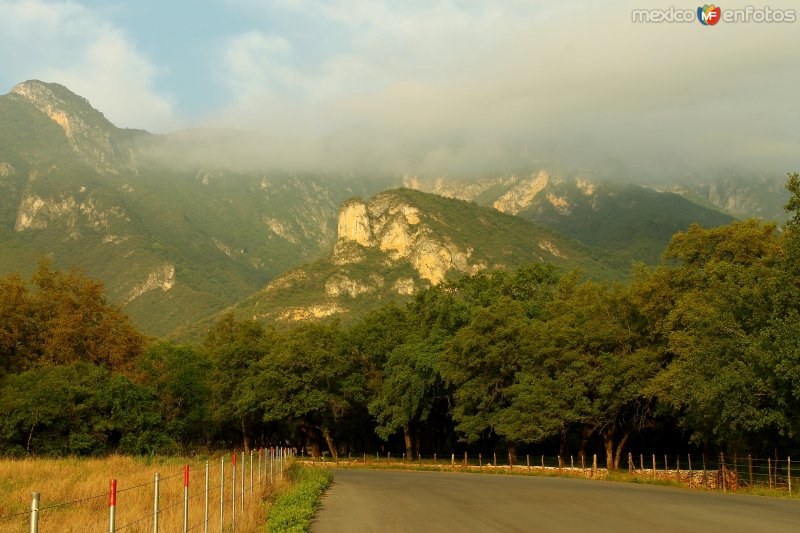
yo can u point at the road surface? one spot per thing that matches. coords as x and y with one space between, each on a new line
423 502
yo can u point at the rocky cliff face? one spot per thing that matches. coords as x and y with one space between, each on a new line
89 133
36 212
509 194
396 228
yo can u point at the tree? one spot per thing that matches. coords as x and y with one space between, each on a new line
718 378
233 348
481 364
408 391
14 322
179 376
79 409
589 366
64 319
307 378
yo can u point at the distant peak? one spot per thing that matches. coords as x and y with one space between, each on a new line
36 90
87 130
54 97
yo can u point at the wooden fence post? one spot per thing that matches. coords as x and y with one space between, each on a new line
750 468
705 473
594 465
630 462
654 466
722 472
641 462
789 472
769 470
528 460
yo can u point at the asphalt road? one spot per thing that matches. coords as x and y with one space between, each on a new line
422 502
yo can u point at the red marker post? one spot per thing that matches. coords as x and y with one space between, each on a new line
112 506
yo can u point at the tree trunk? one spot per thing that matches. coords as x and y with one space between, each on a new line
608 442
512 452
30 439
409 444
613 449
326 434
586 434
313 444
245 438
312 439
620 446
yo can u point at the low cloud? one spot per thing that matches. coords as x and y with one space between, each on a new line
470 87
445 86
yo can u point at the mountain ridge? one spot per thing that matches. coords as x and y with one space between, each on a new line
176 239
401 241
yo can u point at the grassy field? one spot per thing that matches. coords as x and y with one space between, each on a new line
63 481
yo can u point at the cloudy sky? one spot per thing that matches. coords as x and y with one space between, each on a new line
444 86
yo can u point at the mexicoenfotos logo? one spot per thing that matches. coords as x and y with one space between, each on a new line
708 15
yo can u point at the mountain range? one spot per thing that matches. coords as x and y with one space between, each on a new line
177 242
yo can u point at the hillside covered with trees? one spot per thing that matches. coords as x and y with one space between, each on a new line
701 351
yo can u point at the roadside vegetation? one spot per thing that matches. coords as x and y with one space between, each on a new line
294 506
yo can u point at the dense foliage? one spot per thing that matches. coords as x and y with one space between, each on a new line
702 351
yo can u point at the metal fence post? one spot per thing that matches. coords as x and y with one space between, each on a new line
185 498
233 492
35 513
205 507
112 507
156 480
221 494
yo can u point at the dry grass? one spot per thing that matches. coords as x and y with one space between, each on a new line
64 480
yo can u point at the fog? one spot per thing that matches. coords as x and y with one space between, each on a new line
580 87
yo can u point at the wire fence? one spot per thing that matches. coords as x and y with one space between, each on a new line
735 473
215 495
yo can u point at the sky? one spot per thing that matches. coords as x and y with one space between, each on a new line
432 86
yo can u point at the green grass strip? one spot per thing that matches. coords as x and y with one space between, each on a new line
294 508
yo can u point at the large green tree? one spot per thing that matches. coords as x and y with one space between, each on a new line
718 377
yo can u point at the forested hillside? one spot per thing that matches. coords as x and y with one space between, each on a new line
700 351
